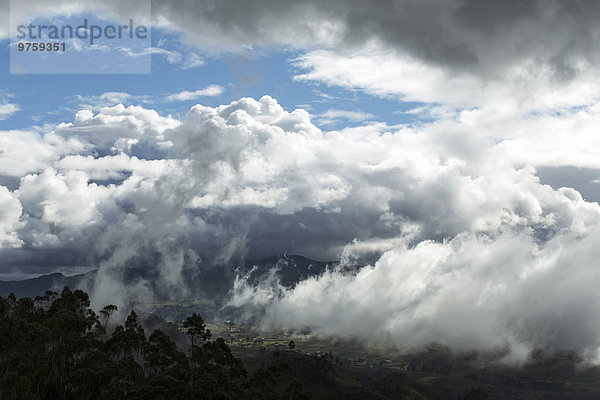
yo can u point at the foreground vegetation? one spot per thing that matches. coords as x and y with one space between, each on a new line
57 347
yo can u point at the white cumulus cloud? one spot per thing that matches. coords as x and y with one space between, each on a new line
186 95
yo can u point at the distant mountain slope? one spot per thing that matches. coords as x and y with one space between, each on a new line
37 286
210 281
291 269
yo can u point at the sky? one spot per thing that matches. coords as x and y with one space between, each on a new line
450 146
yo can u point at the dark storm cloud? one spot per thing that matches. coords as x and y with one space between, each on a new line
476 36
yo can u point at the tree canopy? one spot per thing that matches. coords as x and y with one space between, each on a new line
57 347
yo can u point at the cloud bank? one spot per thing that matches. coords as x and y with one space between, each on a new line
465 245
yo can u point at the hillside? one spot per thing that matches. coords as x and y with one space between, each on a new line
326 380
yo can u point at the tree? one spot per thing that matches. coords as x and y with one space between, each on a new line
195 328
105 315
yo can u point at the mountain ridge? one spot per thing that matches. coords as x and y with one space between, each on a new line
211 280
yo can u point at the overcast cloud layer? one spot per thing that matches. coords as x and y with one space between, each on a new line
480 37
466 246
